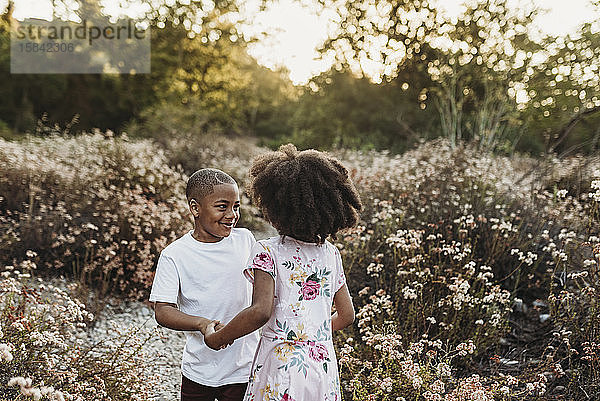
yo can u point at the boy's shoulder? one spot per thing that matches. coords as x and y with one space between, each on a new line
186 241
242 236
241 232
176 245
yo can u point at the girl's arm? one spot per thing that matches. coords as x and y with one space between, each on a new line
167 315
248 320
344 315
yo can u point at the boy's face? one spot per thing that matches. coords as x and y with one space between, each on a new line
216 214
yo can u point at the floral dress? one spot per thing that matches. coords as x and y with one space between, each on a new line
295 359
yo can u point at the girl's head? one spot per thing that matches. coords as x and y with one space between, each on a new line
306 195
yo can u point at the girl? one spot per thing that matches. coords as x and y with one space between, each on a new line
297 276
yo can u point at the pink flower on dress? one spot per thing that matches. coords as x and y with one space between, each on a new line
318 352
286 397
264 262
309 290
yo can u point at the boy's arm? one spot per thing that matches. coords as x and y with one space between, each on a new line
344 315
248 320
167 315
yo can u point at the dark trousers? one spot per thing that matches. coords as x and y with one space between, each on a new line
192 391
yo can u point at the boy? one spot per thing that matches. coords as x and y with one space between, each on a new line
199 280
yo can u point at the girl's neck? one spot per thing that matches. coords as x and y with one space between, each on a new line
304 241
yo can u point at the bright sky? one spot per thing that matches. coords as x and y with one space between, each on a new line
297 30
301 31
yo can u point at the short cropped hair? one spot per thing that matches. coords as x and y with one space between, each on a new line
307 195
203 181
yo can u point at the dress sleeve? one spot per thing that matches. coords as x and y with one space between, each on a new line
261 258
340 277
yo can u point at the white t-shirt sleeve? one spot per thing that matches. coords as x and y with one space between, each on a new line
165 287
252 239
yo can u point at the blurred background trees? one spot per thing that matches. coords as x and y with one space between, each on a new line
483 76
404 72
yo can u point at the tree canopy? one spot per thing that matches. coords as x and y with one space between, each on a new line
403 71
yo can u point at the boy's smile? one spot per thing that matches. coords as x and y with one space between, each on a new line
216 214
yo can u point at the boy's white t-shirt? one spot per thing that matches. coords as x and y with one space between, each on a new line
206 279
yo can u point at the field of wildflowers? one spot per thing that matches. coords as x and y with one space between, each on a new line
44 353
475 276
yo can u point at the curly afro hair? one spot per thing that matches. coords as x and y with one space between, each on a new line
305 195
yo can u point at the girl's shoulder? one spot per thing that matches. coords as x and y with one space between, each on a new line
330 248
269 242
270 245
280 244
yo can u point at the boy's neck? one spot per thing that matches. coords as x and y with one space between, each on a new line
202 237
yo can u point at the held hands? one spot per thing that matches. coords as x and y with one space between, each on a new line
210 337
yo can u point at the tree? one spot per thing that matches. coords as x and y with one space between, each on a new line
340 110
564 93
483 67
199 66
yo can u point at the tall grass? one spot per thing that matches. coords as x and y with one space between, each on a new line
457 250
475 276
44 354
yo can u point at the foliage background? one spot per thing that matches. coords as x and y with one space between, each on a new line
485 76
474 148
